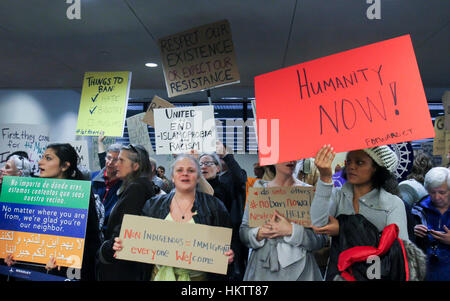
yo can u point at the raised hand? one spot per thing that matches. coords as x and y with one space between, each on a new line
324 159
221 150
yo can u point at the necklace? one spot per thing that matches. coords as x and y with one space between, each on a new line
178 205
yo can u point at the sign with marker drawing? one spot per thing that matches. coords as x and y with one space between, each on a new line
31 138
138 132
182 129
293 203
81 147
42 218
199 59
103 104
365 97
183 245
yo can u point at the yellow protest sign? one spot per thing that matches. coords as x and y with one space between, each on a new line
103 105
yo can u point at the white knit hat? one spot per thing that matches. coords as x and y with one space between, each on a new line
384 156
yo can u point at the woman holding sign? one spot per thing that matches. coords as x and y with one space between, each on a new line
369 192
134 169
59 161
185 204
281 250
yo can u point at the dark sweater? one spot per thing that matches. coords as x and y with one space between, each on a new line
131 201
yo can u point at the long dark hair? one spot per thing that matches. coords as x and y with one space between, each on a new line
137 154
66 153
382 178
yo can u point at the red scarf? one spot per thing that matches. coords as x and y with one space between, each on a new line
361 253
108 184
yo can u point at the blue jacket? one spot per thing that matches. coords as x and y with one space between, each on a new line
438 254
99 188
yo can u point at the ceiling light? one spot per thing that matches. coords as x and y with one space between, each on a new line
151 65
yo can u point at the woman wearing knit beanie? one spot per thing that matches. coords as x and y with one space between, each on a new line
369 191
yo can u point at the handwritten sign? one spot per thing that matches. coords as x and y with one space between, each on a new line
293 203
31 138
439 141
42 217
179 130
157 103
103 105
361 98
81 147
190 246
138 132
446 105
199 59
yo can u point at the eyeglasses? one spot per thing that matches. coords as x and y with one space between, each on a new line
131 146
207 163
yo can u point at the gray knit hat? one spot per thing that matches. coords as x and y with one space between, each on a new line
384 156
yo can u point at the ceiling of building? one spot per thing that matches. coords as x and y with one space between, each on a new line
41 48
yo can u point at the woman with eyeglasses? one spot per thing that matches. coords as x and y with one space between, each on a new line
281 249
59 161
184 204
228 180
134 169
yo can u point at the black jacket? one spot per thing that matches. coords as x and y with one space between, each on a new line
229 187
356 230
131 201
210 211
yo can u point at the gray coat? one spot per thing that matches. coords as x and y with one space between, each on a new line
287 258
378 206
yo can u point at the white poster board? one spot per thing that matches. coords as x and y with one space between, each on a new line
182 129
30 138
138 132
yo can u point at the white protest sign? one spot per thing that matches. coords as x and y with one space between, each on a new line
30 138
182 129
81 146
138 132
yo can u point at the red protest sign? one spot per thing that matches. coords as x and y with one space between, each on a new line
364 97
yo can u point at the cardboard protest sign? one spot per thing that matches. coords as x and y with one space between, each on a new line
157 103
138 132
439 141
190 246
31 138
43 217
446 105
364 97
293 203
179 130
103 105
199 59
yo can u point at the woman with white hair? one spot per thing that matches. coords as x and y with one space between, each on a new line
17 166
433 223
